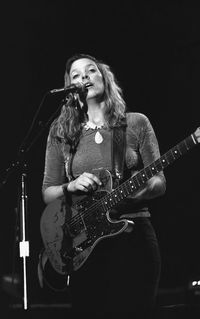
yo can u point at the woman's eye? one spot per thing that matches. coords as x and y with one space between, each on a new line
74 76
92 70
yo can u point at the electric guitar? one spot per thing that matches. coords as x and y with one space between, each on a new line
70 232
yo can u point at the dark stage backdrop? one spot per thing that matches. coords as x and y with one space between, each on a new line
154 50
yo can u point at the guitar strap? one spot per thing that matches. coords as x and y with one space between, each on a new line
118 150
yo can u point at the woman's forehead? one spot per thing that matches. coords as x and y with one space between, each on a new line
83 62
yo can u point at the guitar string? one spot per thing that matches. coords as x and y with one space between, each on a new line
101 202
163 160
132 182
128 186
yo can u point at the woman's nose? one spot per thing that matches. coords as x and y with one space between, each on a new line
85 77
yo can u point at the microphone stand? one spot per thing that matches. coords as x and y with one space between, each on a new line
21 164
24 243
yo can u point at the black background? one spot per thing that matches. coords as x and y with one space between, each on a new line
153 48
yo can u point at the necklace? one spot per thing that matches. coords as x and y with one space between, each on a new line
98 137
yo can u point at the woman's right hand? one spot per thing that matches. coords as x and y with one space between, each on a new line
86 182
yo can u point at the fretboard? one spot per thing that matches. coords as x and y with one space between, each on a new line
135 182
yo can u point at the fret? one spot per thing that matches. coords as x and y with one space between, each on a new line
108 202
190 141
165 160
182 147
103 205
159 165
153 169
132 184
148 172
178 148
136 182
186 145
139 179
111 200
129 187
171 156
125 189
114 197
176 152
144 176
120 192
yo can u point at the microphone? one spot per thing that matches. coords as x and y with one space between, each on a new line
72 88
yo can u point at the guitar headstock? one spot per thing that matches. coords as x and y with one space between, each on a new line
197 134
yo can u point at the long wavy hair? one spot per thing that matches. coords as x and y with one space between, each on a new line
68 125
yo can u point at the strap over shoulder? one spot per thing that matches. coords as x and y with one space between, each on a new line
118 150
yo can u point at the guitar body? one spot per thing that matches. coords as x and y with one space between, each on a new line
70 232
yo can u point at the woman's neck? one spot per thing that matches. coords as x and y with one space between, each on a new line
96 113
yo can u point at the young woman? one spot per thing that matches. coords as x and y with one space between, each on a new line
122 272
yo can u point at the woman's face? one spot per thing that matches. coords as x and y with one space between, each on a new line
85 71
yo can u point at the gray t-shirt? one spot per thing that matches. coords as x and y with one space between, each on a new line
141 150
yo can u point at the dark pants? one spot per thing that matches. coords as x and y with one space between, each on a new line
121 274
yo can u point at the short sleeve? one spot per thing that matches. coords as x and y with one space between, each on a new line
54 170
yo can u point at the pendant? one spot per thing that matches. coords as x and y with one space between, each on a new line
98 138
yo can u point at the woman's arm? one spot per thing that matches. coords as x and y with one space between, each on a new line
155 187
149 151
86 182
54 172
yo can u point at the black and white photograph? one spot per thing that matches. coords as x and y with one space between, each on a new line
100 159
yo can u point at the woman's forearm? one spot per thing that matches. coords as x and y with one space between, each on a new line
51 193
155 187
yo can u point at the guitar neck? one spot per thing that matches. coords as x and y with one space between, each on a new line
135 182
